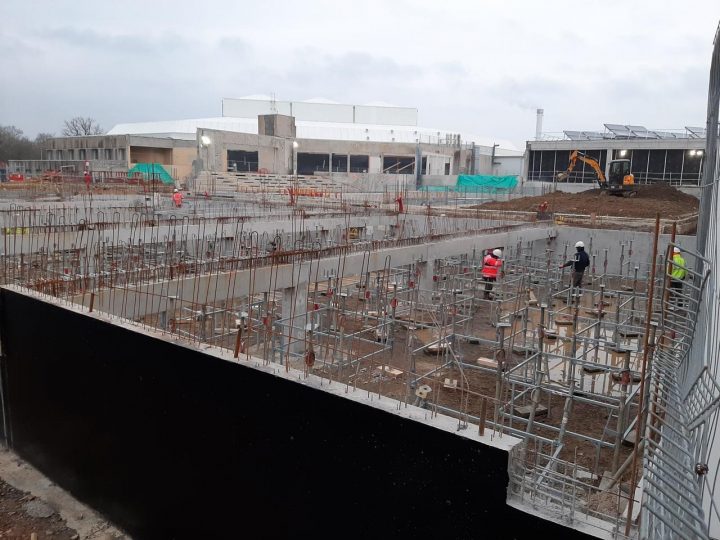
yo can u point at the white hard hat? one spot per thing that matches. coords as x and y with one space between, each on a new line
497 252
676 249
579 244
175 190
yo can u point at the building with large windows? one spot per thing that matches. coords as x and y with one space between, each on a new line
672 156
314 137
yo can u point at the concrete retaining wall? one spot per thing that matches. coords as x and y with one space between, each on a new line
612 240
171 442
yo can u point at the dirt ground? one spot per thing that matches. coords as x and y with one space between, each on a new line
649 200
17 523
587 419
367 374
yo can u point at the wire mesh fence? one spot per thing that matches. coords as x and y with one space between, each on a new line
681 455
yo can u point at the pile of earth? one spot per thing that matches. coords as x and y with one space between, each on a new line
649 200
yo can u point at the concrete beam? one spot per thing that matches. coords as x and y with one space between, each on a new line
125 233
137 301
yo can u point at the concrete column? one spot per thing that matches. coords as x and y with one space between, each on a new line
608 159
425 279
294 303
347 165
168 314
418 166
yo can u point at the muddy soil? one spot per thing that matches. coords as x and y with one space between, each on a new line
21 514
650 199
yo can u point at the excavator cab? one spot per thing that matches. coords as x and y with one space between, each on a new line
620 179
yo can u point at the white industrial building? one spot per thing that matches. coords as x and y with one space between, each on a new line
368 144
314 119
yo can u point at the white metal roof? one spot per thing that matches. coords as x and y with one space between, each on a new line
186 129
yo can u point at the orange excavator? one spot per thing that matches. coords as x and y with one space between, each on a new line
620 180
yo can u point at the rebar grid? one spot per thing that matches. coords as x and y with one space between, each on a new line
392 331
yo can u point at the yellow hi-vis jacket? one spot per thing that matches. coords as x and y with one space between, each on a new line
678 268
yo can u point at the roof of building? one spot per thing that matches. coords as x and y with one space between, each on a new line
622 131
186 129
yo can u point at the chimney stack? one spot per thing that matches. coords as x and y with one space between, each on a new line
538 124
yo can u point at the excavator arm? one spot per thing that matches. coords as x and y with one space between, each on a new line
574 156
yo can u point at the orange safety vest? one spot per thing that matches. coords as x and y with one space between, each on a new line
177 198
490 266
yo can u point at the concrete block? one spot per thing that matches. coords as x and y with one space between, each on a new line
626 333
629 439
605 480
390 372
593 369
436 348
618 355
487 362
533 299
524 410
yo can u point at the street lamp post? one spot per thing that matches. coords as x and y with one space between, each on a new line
295 146
206 141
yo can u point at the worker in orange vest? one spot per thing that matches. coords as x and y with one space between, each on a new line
177 198
491 266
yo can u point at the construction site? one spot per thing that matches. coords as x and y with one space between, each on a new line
386 332
382 296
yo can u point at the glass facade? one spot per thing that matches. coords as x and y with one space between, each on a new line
673 166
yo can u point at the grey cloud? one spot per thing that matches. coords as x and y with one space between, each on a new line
646 84
352 76
234 45
363 64
528 93
484 72
122 44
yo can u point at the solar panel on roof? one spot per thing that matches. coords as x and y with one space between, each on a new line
642 132
665 135
618 130
697 132
583 135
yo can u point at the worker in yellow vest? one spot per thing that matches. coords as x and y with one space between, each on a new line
677 276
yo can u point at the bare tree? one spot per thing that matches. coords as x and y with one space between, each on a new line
15 145
82 126
42 138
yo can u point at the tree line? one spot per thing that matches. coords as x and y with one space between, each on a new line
14 144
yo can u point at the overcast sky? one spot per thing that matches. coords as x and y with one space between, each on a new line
478 66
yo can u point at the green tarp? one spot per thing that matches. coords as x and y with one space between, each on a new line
152 171
478 183
483 182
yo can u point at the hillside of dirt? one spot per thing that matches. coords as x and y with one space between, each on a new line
649 200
